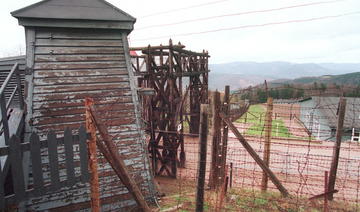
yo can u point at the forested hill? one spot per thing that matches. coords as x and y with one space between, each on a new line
244 74
343 79
328 85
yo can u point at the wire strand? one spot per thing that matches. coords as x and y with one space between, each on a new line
239 14
251 26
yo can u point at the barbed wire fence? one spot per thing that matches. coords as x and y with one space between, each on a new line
301 154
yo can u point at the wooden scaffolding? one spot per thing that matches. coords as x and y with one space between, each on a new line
177 76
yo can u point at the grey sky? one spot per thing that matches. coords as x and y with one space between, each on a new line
325 40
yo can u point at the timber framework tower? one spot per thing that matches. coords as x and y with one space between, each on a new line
179 79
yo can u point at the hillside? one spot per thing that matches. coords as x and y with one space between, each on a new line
244 74
343 79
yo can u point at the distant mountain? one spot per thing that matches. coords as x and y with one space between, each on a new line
244 74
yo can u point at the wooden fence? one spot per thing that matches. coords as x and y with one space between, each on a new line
13 153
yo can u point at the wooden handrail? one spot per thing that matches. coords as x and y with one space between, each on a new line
14 69
6 103
11 98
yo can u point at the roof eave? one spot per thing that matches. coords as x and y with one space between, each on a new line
16 12
76 23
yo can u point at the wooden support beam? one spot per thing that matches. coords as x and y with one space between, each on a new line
155 47
268 128
255 156
117 162
4 118
336 150
323 194
93 163
187 52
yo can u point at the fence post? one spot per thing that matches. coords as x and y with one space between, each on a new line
326 209
225 131
268 128
202 158
17 168
336 150
93 164
231 175
216 137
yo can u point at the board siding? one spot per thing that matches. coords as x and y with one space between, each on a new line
70 65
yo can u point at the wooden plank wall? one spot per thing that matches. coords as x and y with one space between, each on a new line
69 65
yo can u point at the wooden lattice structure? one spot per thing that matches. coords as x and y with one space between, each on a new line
176 75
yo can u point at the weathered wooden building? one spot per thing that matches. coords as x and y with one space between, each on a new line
78 49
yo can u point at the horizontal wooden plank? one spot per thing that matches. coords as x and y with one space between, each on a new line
76 58
8 67
78 65
80 80
78 34
113 122
80 110
79 102
82 95
74 88
113 130
77 42
78 50
77 73
106 115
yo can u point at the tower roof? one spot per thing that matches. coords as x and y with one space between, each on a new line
74 9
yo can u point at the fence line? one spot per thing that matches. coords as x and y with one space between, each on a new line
39 184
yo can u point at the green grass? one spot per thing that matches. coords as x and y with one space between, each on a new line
253 115
249 200
256 117
252 200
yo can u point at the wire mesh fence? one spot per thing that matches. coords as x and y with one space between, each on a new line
301 151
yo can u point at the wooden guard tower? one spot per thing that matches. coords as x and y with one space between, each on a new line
177 75
77 49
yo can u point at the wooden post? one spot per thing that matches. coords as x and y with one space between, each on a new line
268 128
93 164
225 131
110 152
326 207
231 175
255 156
336 151
216 138
203 131
222 192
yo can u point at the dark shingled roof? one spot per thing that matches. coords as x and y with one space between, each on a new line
74 9
328 106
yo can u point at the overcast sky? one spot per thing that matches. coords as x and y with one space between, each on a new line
319 30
